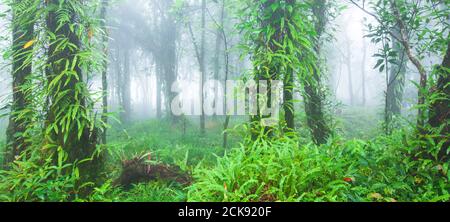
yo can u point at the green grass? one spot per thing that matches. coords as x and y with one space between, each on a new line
151 192
359 123
2 148
350 171
282 170
168 144
370 168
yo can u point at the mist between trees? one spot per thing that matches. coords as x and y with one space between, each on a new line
94 91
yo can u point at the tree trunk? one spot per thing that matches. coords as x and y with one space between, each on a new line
267 70
169 36
288 94
439 110
77 138
202 67
125 87
103 15
314 96
218 52
404 40
118 79
396 85
23 33
158 91
363 73
348 62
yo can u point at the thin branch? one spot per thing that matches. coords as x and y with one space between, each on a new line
378 20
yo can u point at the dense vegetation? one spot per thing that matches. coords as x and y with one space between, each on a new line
89 90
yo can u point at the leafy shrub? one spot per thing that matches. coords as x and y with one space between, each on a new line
2 149
151 192
284 170
38 179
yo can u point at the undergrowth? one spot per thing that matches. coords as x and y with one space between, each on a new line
384 168
381 169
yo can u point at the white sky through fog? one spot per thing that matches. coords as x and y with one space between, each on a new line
350 30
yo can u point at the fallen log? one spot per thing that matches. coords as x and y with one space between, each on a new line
141 170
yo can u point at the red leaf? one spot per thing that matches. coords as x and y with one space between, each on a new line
348 179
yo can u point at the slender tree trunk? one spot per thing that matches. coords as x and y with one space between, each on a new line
338 80
288 106
396 85
105 70
363 73
227 73
202 66
119 74
404 40
348 62
125 87
23 33
169 35
218 48
158 91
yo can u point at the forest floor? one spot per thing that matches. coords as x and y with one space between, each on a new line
173 145
183 145
359 163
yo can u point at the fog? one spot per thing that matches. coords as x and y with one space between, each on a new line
140 32
130 19
5 77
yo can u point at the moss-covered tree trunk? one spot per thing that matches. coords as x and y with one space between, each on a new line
68 126
264 68
314 96
22 41
103 15
440 111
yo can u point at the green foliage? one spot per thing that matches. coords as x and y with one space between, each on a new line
386 168
2 149
152 192
169 143
278 36
284 170
405 26
359 122
36 179
280 39
61 159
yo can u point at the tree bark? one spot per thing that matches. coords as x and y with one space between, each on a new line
363 73
103 15
158 91
23 33
79 137
125 87
218 51
404 40
348 62
314 96
202 67
439 110
396 85
169 37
